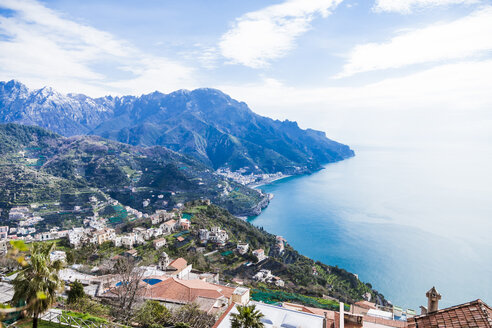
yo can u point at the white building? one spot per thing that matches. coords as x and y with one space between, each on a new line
185 224
101 236
276 316
159 243
139 230
204 235
218 236
242 248
155 219
169 227
158 232
139 239
18 213
96 224
164 261
260 254
58 256
267 276
280 245
3 247
160 216
117 241
128 240
4 232
47 235
77 236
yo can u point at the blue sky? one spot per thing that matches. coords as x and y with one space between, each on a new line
364 71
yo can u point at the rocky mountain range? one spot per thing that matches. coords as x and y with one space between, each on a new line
205 123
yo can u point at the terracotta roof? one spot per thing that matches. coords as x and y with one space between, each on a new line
187 291
475 314
385 322
365 305
179 264
208 305
170 223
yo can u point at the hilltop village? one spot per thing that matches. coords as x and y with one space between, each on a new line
191 256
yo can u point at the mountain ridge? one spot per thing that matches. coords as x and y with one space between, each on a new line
37 165
204 123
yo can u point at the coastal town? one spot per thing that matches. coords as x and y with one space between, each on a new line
172 281
251 179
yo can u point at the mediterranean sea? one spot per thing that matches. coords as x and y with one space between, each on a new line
402 219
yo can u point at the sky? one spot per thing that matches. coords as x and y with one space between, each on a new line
368 73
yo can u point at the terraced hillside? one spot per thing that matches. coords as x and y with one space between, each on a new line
40 166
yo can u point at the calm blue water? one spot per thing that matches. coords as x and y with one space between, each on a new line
402 219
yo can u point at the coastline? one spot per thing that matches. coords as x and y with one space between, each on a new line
261 206
379 297
268 181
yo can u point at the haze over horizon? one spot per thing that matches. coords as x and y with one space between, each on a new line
371 73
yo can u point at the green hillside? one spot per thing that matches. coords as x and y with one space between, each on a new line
40 166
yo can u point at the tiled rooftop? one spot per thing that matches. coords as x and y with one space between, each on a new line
475 314
187 291
179 264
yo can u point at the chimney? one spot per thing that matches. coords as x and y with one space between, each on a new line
423 310
433 300
342 315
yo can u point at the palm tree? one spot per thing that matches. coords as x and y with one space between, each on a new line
248 317
38 282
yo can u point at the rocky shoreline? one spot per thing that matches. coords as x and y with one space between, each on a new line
256 210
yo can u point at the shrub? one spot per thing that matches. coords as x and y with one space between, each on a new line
76 292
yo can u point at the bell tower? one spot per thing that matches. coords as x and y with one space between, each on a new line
163 261
433 298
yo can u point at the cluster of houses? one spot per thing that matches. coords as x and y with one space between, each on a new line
240 176
54 233
95 230
215 235
364 314
174 283
28 233
25 221
168 222
266 276
19 213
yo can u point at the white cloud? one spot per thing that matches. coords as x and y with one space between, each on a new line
445 102
39 47
260 36
406 6
462 38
